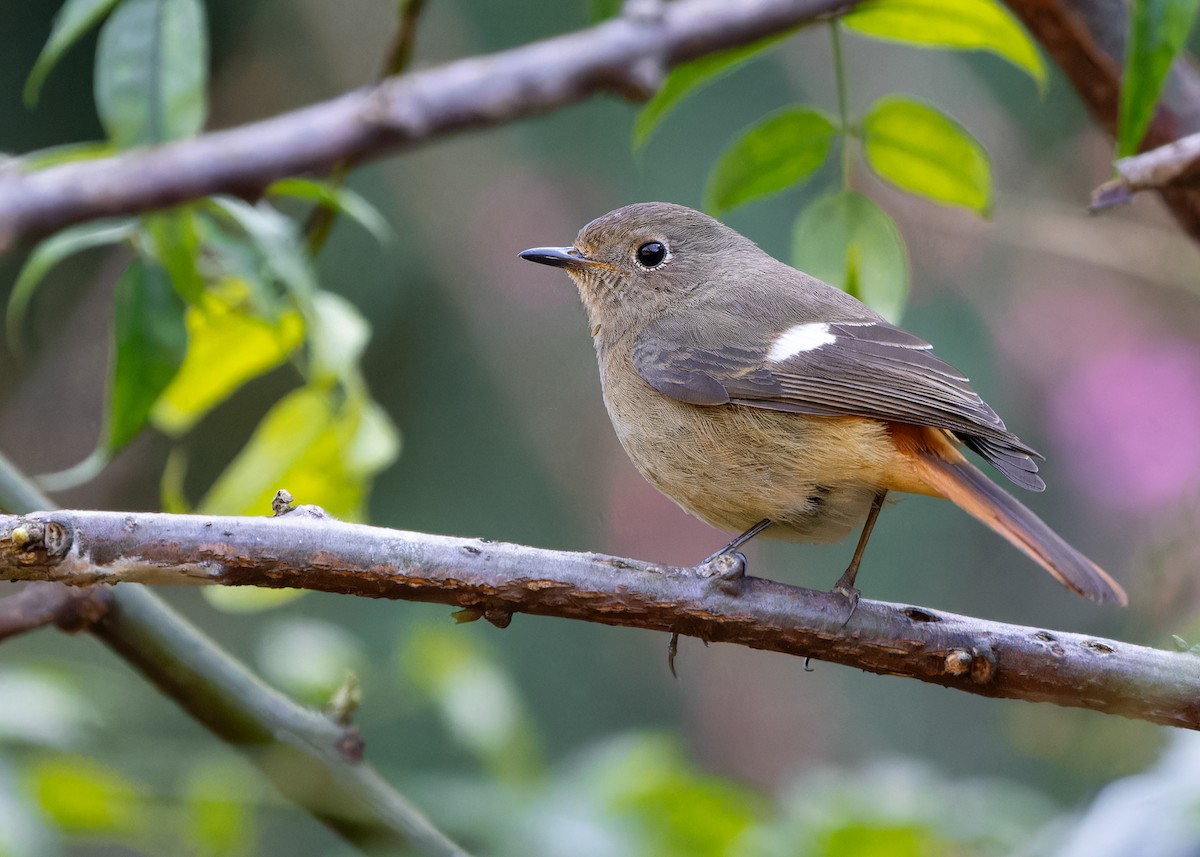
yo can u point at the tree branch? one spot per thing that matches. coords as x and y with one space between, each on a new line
493 581
628 55
1175 164
41 604
1087 39
312 757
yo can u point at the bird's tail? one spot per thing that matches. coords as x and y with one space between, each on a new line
943 468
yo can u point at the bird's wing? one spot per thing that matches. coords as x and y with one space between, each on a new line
856 367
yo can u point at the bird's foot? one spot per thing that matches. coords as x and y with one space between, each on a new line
845 587
725 570
673 650
727 565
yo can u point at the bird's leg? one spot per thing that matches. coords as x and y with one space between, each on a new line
845 585
740 540
734 574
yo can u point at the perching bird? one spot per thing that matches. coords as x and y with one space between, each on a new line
760 398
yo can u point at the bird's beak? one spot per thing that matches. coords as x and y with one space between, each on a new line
559 257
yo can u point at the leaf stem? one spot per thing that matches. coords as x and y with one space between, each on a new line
839 69
399 55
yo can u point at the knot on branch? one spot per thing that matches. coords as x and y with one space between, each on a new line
977 664
32 541
641 79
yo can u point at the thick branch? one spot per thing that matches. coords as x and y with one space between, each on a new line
493 581
627 55
313 758
1087 40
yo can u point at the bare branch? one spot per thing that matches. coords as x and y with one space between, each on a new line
493 581
1175 164
397 114
312 757
1087 40
41 604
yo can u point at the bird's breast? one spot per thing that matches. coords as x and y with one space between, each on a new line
733 465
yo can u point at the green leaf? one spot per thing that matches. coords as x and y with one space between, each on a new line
961 24
1157 32
647 781
693 75
244 600
279 243
476 698
152 71
230 255
850 242
341 199
171 492
309 658
885 840
923 151
338 337
52 711
172 234
84 797
227 346
71 23
150 341
782 150
321 446
599 10
49 253
220 793
65 154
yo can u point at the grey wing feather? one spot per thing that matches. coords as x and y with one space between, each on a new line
868 368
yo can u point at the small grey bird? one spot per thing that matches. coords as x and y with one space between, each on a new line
760 398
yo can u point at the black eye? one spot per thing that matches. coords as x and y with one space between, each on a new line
652 254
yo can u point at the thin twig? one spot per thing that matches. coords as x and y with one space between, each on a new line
321 219
400 51
400 113
494 580
1175 164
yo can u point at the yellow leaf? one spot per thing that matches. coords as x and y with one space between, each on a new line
227 346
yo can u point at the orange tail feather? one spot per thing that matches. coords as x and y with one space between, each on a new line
940 465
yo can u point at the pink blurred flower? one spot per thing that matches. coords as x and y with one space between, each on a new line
1128 422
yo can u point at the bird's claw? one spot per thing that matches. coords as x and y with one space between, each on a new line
851 594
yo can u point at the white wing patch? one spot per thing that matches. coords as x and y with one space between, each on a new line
798 338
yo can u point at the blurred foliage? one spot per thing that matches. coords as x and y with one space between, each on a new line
782 150
849 242
919 149
554 744
690 77
911 144
957 24
1157 33
218 292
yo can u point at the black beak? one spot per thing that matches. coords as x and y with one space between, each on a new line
557 257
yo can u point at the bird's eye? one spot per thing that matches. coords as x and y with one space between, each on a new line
652 254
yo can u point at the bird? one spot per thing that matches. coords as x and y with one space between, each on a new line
763 400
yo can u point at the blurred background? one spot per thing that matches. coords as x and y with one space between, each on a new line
556 737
